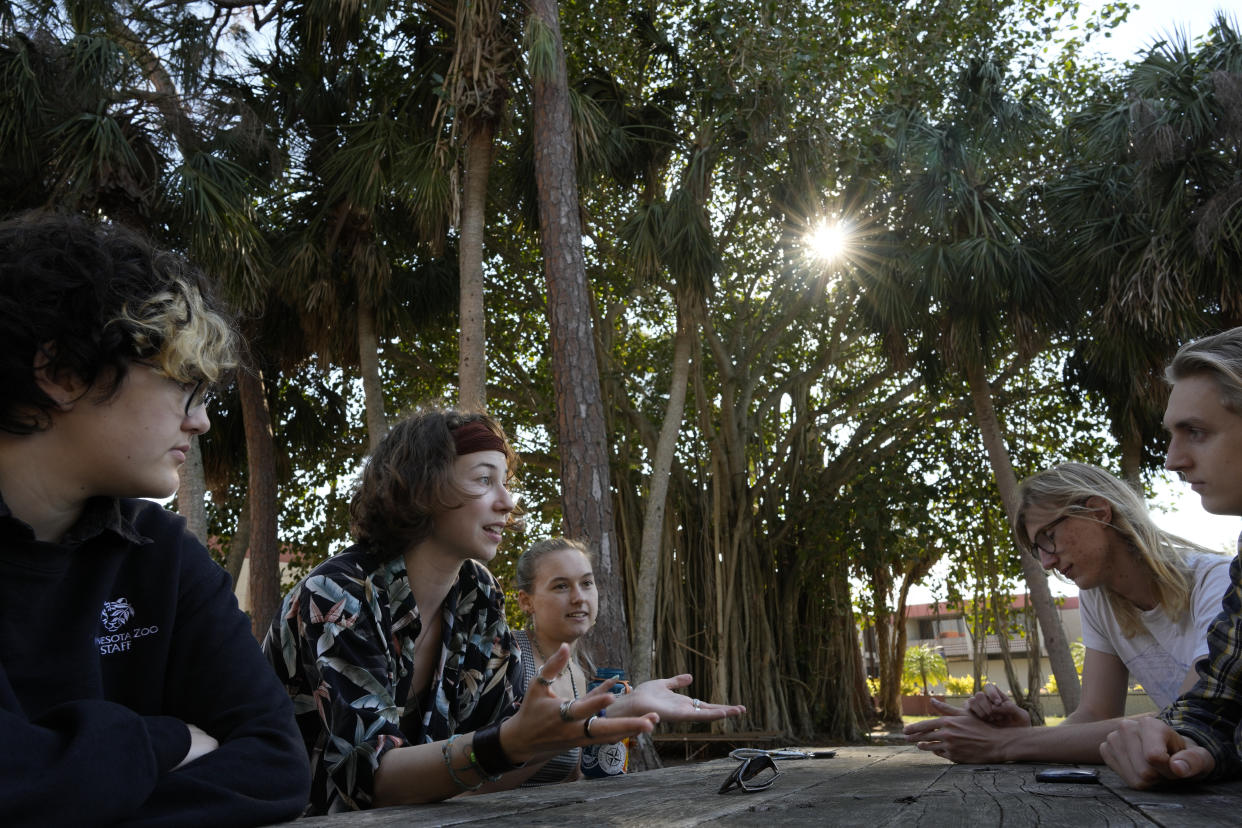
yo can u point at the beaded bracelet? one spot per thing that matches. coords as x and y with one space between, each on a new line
474 763
446 751
488 755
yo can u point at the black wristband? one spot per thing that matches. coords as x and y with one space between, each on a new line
489 754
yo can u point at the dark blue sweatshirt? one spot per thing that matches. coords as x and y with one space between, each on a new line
110 643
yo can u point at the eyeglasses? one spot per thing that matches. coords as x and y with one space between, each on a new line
197 392
1043 541
779 753
754 774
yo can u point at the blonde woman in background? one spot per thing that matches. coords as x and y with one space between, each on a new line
556 590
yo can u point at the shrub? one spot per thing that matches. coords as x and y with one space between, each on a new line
961 685
1079 653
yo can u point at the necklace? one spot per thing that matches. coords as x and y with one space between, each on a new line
569 666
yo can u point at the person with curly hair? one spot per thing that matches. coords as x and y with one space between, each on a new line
131 688
402 669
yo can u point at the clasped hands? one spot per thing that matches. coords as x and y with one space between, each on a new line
974 733
1146 752
1143 751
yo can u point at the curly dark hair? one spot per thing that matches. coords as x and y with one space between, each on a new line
82 299
409 479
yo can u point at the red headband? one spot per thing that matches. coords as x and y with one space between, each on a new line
475 436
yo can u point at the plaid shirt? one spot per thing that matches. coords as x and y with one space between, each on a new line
1211 711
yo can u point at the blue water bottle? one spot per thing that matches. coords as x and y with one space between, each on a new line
606 760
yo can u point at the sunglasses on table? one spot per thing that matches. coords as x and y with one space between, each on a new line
756 773
781 753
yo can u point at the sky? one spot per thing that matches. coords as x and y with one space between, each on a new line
1154 19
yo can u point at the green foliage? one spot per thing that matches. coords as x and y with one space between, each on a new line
1145 205
924 665
962 685
823 432
540 49
1079 651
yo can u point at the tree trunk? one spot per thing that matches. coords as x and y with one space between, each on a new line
889 668
978 641
585 482
368 363
238 545
847 721
1034 678
643 643
1041 596
1132 456
192 493
264 551
1002 638
472 336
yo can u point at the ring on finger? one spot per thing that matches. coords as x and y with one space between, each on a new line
546 682
698 704
564 711
586 726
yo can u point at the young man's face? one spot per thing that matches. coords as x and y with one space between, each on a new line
1205 443
131 445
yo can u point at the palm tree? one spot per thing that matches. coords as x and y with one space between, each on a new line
1148 215
477 89
965 273
581 440
666 234
125 122
369 196
924 664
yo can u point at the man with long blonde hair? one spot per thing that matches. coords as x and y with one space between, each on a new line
1147 598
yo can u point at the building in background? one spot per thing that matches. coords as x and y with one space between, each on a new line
945 628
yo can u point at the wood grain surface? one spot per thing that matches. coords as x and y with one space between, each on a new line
860 786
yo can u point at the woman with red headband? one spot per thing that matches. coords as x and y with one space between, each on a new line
403 672
405 678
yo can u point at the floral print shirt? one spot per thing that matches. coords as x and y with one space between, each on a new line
343 644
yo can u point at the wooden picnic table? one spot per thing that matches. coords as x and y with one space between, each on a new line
860 786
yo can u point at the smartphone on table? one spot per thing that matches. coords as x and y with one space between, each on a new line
1086 776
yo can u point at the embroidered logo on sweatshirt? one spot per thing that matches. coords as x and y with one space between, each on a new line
115 616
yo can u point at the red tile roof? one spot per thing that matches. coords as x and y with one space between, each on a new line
945 611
